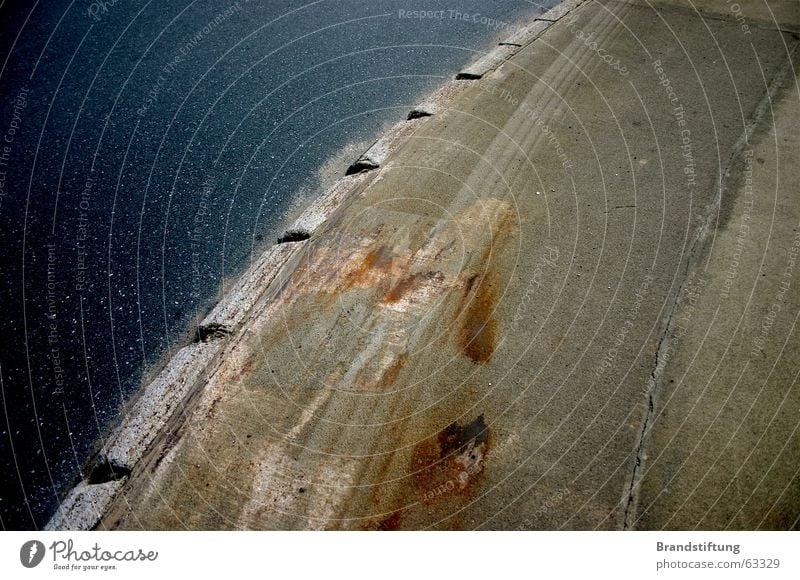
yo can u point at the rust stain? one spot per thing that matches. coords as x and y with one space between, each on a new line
390 523
454 437
396 293
409 284
477 334
478 331
390 376
369 377
450 464
329 267
376 265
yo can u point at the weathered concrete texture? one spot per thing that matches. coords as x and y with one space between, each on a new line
471 340
560 10
488 62
724 442
84 506
438 101
380 150
240 299
746 13
155 405
526 35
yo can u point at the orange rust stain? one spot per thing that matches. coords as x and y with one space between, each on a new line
390 523
478 330
376 264
377 492
408 284
450 464
401 288
390 376
369 378
326 269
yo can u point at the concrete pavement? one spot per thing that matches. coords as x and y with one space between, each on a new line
543 309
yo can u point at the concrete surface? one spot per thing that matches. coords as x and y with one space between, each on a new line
84 505
724 443
520 323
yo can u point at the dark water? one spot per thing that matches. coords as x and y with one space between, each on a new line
147 150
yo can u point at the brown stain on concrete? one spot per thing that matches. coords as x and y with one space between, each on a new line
390 523
407 284
376 265
450 464
478 331
370 378
397 280
390 376
454 437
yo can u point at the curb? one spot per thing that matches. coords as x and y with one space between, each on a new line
507 48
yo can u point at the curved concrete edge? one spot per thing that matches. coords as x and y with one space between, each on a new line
438 101
230 311
237 302
84 505
155 406
560 10
322 207
488 62
528 34
376 155
509 47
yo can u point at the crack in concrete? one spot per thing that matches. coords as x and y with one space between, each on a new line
695 249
